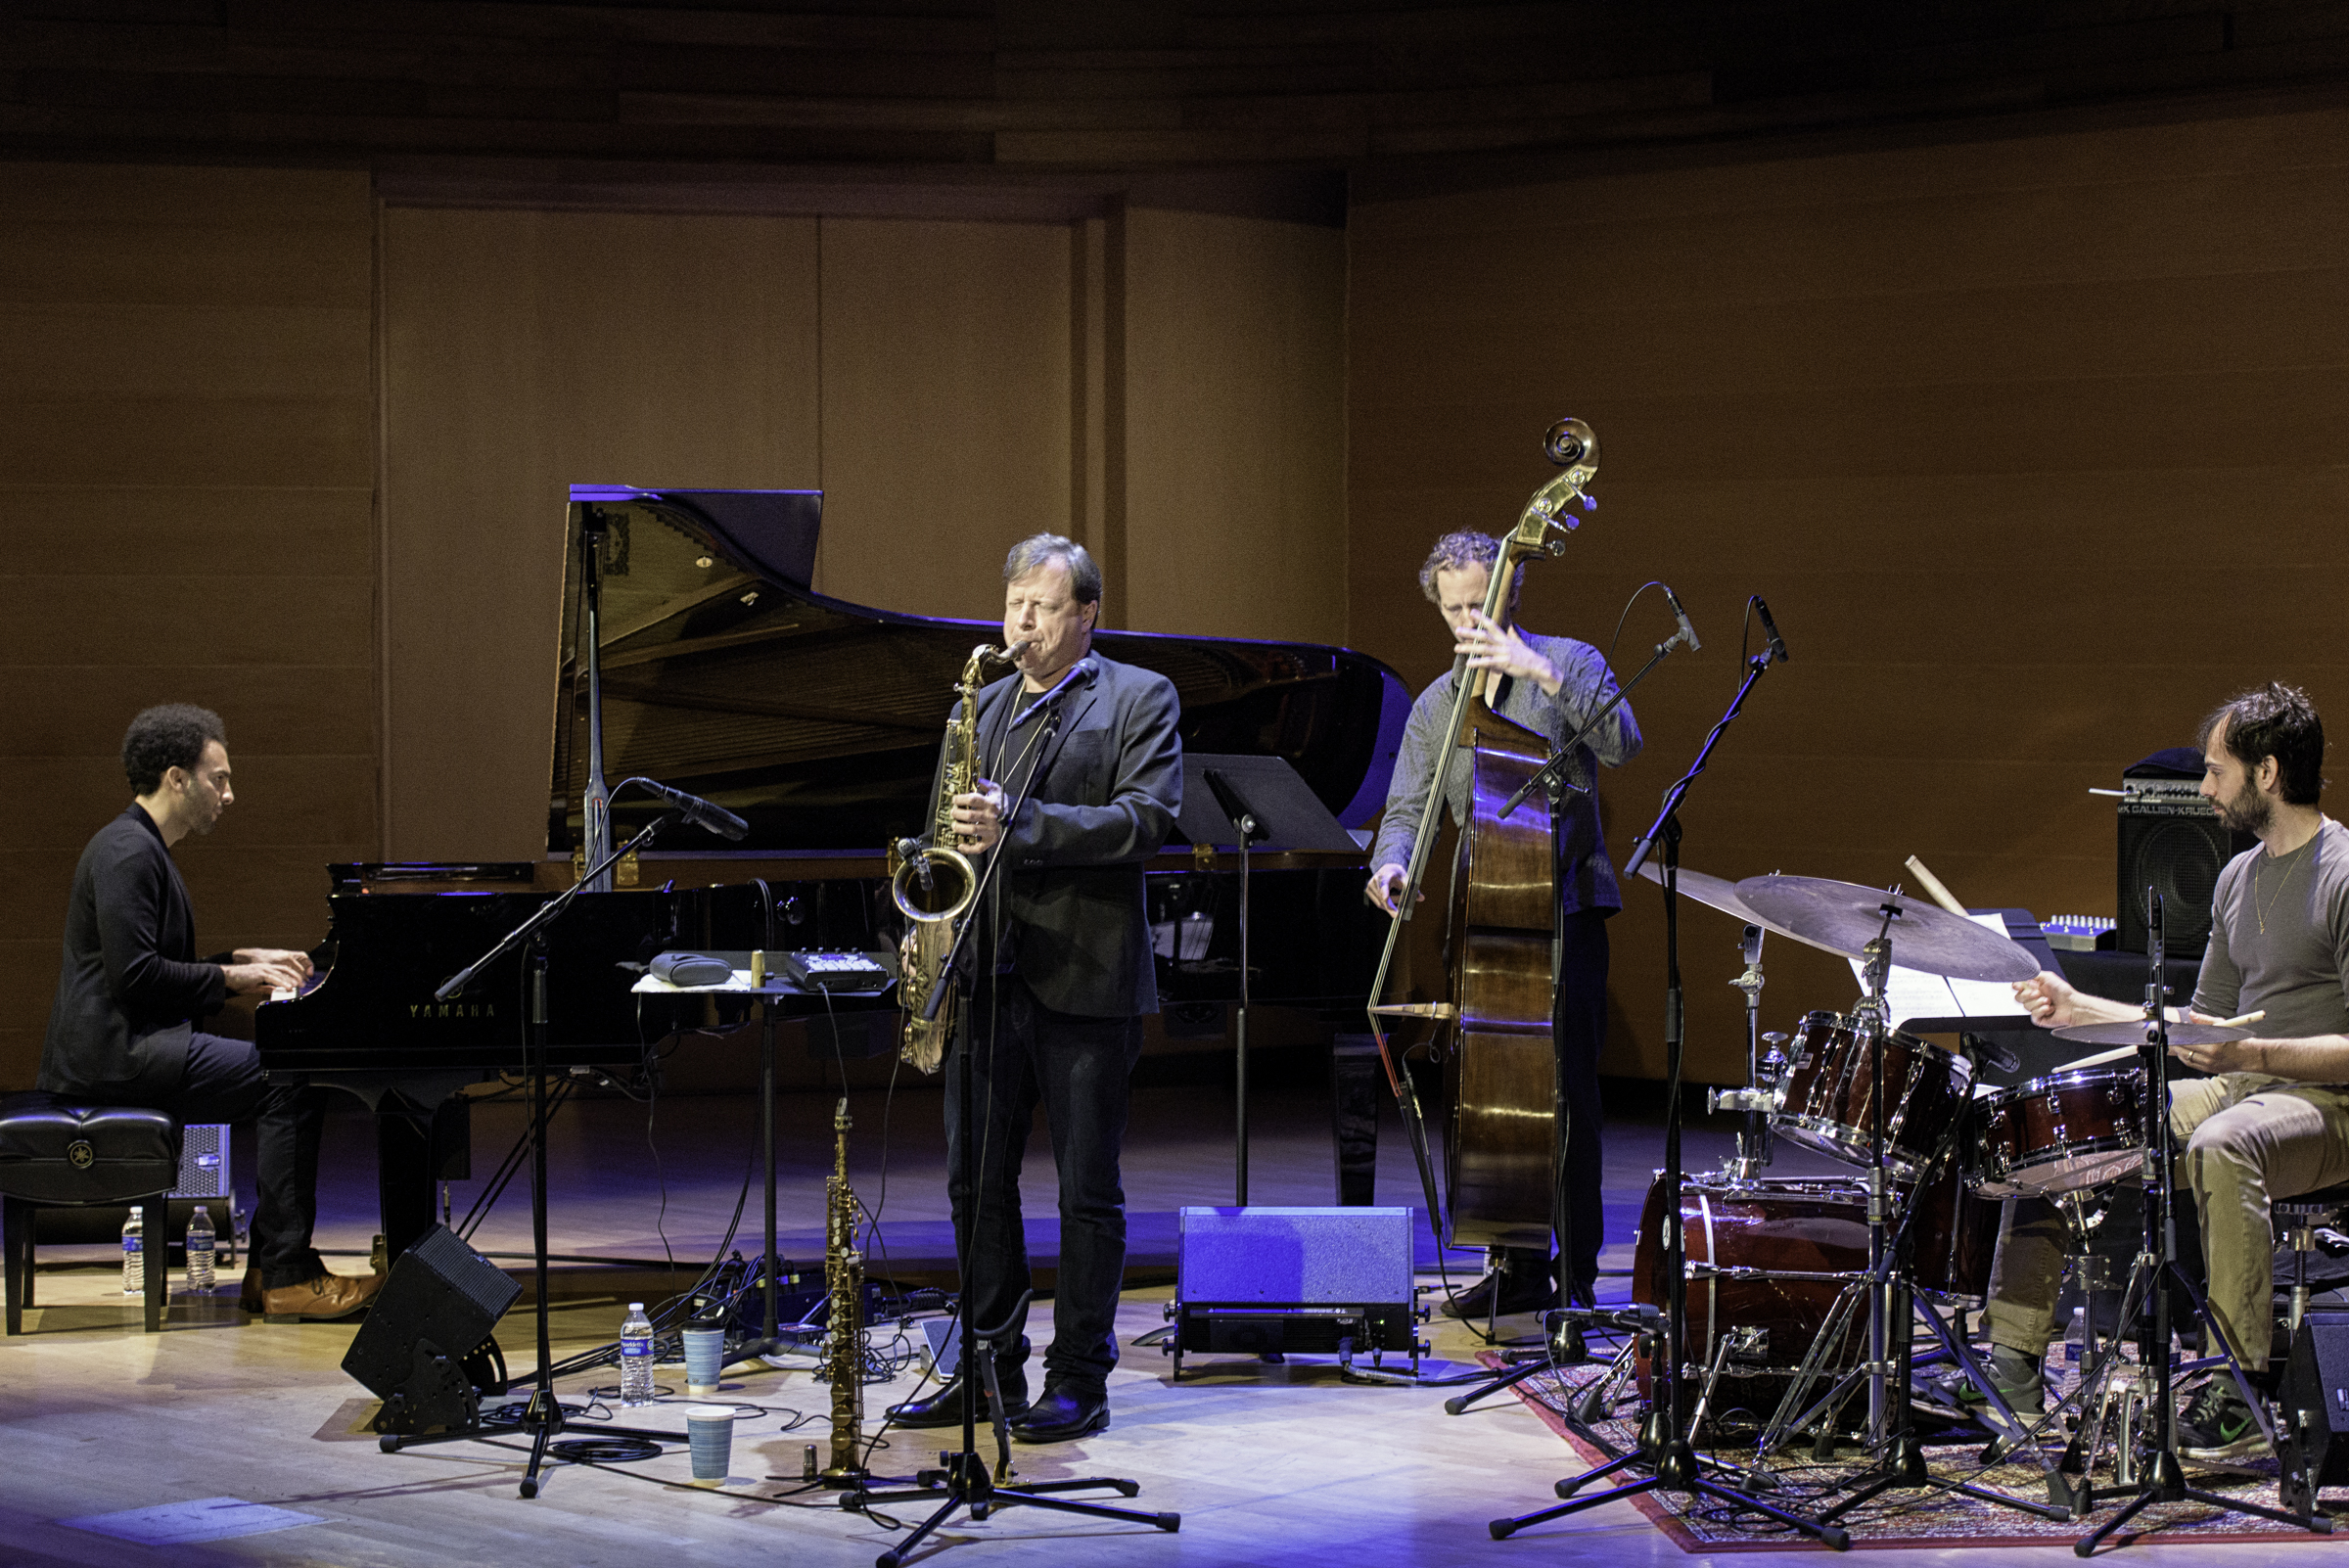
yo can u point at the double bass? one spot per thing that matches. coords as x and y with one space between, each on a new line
1500 1067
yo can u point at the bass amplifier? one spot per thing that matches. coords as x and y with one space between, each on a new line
1267 1281
2171 841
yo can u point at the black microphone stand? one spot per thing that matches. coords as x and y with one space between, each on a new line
964 1475
2163 1475
542 1417
1665 1449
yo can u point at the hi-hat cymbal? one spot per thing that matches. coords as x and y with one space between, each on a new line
2132 1032
1844 917
1719 894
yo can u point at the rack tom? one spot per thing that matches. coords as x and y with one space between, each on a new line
2060 1134
1825 1104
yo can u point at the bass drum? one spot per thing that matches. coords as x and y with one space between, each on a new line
1790 1247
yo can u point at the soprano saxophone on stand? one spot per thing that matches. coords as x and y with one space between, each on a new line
844 1286
932 883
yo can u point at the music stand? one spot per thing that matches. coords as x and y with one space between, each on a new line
1245 801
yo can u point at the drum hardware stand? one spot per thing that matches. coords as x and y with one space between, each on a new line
2162 1477
1753 1138
542 1417
962 1480
1664 1448
1892 1437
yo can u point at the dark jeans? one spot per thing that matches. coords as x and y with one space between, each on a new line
224 1083
1577 1024
1078 1068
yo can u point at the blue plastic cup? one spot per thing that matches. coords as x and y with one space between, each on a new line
709 1432
705 1359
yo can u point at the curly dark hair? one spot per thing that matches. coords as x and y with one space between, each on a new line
165 737
1456 552
2279 722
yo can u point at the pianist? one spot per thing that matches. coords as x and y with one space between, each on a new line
121 1031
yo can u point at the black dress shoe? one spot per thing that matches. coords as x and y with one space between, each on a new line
1066 1412
1519 1293
944 1408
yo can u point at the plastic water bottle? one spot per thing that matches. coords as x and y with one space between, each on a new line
636 1356
2075 1347
134 1256
200 1252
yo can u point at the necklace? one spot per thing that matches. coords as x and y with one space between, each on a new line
2264 908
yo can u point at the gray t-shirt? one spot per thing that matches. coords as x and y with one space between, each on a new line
2280 939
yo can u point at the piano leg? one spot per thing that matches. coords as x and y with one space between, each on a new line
418 1147
1353 1085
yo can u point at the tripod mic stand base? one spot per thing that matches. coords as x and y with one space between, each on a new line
965 1483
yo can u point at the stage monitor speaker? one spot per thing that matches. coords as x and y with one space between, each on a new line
2171 841
1269 1281
2314 1429
432 1316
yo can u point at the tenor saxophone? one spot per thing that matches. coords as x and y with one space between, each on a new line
932 883
844 1286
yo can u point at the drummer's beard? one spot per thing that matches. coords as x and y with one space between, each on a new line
2248 811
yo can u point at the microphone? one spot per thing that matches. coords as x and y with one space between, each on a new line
1082 669
1770 629
700 812
910 850
1687 633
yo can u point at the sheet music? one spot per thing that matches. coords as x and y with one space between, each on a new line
1915 993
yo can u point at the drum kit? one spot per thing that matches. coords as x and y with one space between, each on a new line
1798 1285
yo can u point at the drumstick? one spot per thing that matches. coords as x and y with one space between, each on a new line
2245 1018
1941 895
2117 1053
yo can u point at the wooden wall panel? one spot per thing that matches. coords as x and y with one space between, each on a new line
186 484
946 409
2031 443
525 352
1235 432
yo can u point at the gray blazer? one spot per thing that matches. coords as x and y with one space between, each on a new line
130 986
1108 786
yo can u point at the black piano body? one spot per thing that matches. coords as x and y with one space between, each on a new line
819 723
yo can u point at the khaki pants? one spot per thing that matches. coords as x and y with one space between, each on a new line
2246 1140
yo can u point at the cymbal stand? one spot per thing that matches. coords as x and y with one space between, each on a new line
2162 1476
542 1416
1758 1098
1900 1459
1664 1449
962 1479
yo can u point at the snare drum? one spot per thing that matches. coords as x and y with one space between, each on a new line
1824 1104
2060 1134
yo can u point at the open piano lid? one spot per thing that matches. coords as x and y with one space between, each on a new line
818 722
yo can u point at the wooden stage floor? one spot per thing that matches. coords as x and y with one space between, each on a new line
1266 1465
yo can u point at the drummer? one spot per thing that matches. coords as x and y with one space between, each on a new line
2273 1119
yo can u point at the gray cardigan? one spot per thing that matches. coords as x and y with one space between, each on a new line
1589 882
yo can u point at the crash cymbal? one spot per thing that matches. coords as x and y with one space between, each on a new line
2133 1032
1844 917
1721 893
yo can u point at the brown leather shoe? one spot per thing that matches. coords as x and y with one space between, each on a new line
328 1295
250 1297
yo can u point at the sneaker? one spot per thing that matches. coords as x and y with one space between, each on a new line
2019 1380
2218 1426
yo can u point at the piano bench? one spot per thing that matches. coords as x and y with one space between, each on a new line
58 1153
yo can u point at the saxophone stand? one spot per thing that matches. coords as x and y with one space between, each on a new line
542 1417
1664 1448
963 1475
2162 1478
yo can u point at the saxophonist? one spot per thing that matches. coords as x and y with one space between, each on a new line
1054 1016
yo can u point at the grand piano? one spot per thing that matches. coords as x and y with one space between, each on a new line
722 674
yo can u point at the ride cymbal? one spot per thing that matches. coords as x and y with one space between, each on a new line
1844 917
